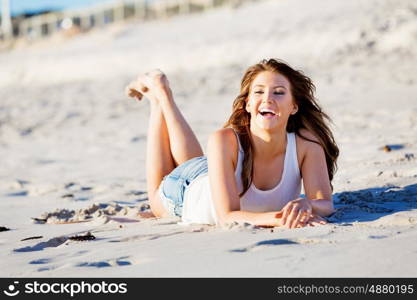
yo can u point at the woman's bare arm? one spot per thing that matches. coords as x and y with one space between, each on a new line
222 145
316 180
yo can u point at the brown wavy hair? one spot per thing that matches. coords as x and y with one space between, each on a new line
309 116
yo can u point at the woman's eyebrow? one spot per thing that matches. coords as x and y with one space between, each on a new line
278 86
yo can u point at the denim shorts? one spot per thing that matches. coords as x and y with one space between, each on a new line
172 187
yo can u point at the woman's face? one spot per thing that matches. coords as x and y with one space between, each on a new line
270 101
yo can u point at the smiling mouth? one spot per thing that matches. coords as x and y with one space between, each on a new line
267 114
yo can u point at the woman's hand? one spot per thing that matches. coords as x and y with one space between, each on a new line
296 213
316 220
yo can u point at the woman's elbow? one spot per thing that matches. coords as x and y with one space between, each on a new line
226 217
329 210
324 208
223 218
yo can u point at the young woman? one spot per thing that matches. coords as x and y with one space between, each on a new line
276 136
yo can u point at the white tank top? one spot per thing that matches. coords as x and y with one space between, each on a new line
198 206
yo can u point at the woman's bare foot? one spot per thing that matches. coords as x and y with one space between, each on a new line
154 85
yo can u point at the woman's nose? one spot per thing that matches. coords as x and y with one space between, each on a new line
267 97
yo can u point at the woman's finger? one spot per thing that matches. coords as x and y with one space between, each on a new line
297 219
291 217
305 217
316 220
319 220
286 211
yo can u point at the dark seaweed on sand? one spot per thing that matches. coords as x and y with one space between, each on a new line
87 237
32 238
39 220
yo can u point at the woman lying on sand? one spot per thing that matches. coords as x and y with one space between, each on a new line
276 136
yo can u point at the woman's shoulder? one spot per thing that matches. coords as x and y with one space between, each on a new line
307 142
225 139
307 137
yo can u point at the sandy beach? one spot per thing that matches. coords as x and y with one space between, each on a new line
73 145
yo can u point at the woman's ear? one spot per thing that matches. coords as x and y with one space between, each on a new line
295 109
247 106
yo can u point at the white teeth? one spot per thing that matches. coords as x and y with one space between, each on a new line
265 110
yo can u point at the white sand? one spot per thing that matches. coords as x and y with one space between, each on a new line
69 138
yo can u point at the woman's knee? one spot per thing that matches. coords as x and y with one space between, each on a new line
156 205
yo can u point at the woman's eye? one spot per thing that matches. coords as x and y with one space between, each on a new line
279 93
258 92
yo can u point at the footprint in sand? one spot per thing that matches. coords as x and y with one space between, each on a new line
167 223
18 194
95 211
49 268
75 188
40 261
45 263
377 237
52 243
263 245
57 241
146 237
307 241
117 262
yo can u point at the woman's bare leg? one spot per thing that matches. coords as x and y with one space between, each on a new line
159 160
183 142
170 139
